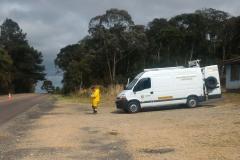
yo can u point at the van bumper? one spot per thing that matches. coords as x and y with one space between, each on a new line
121 103
204 98
215 96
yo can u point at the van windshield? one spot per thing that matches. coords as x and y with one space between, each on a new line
134 81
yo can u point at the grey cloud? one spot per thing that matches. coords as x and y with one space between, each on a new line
53 24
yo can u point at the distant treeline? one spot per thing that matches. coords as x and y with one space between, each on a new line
116 48
20 64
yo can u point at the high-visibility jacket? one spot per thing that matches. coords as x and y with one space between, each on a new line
95 97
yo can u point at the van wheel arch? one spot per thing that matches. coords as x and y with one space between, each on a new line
192 101
136 103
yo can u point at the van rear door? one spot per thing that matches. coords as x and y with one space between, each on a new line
212 81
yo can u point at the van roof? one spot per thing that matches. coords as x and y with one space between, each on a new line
166 68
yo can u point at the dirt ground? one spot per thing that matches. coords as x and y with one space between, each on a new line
64 131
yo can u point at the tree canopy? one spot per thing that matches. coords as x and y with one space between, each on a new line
21 66
116 48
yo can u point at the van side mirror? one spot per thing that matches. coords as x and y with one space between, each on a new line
128 81
134 89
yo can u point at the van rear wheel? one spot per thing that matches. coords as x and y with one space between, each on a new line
133 107
192 102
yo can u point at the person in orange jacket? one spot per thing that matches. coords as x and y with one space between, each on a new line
95 98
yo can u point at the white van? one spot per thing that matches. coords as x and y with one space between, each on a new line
170 86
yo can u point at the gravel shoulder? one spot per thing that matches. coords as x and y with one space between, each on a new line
70 131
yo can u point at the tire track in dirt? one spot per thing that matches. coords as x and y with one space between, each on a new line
60 132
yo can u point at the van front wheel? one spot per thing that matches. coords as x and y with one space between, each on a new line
192 102
133 107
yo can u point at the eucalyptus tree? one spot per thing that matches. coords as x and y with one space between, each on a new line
194 31
108 32
155 32
231 38
116 48
215 21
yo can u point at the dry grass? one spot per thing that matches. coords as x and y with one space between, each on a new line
108 95
231 96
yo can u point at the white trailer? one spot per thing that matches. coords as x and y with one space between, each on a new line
170 86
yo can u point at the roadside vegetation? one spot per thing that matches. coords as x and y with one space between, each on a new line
20 64
108 95
116 48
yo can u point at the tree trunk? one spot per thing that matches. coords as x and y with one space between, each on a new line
109 69
214 47
127 70
114 68
168 59
223 58
224 53
158 54
191 52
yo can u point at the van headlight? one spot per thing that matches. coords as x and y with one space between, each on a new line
122 96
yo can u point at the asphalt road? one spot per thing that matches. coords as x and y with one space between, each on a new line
18 104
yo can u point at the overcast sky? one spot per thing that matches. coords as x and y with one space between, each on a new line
53 24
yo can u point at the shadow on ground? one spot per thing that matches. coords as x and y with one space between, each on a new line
166 108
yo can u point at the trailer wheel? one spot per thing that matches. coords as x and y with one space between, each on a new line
192 102
133 107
